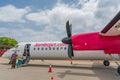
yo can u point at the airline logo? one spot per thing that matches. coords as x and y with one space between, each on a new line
49 44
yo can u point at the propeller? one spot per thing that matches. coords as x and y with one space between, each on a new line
68 40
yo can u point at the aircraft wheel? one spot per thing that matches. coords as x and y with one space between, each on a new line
106 63
118 70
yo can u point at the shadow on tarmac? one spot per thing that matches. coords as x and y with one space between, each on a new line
100 71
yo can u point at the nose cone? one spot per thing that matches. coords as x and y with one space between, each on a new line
8 53
4 55
66 40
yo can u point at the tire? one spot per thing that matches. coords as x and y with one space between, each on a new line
118 70
106 63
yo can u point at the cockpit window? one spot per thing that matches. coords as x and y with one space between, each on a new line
16 46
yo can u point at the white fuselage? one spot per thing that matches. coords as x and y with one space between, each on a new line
57 51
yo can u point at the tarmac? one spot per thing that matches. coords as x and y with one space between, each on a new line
61 70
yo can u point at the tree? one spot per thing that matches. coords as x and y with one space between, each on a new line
6 41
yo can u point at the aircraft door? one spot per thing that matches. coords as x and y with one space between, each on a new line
26 53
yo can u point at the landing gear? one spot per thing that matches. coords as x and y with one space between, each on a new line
106 63
118 70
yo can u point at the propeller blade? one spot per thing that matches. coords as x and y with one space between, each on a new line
70 51
68 29
71 47
68 40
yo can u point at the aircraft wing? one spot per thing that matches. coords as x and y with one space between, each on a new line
113 27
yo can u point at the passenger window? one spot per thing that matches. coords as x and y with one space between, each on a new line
38 48
34 48
64 48
42 48
61 48
27 50
45 48
57 48
53 48
49 48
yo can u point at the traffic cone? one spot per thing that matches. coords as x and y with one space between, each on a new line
52 78
71 62
50 68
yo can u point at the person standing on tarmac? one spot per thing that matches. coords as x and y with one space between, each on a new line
13 59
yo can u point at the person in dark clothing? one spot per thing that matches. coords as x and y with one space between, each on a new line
13 59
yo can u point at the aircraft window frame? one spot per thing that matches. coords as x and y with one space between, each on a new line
34 48
38 48
53 48
49 48
61 48
28 50
46 48
57 48
42 48
65 48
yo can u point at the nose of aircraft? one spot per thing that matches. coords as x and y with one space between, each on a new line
8 53
5 54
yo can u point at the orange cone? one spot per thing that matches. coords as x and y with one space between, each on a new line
50 68
52 78
71 62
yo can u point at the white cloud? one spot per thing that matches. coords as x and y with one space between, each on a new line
57 16
27 34
84 19
85 16
10 13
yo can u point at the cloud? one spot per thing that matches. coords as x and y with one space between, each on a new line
56 17
86 15
49 24
27 34
10 13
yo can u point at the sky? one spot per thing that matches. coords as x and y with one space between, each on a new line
44 20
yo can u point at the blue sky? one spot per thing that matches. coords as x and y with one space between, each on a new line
44 20
33 3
